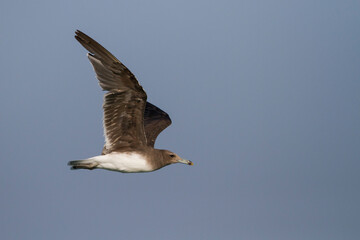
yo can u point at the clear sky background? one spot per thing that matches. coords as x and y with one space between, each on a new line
264 98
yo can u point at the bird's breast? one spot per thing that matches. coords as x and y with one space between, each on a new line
125 162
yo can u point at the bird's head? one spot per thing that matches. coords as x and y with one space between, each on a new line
174 158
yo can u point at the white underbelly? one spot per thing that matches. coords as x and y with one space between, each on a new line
123 162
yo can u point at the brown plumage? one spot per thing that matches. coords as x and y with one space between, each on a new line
131 124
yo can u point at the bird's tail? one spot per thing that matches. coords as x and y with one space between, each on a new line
83 164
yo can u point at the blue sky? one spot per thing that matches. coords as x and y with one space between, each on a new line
264 98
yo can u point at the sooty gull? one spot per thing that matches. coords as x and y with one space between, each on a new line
131 124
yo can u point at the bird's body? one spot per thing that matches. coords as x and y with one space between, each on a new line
127 162
131 124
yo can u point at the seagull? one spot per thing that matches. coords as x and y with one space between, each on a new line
131 124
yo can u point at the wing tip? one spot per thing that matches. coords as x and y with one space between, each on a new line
78 32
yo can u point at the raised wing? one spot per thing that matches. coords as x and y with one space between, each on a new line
155 121
110 72
124 104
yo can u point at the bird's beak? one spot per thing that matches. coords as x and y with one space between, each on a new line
184 161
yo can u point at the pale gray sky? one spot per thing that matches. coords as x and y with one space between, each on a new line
264 98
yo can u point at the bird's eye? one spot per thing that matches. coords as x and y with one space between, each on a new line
172 155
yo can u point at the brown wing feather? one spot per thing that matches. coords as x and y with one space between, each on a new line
123 120
155 121
110 72
124 105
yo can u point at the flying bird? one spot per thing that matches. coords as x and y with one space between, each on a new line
131 124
